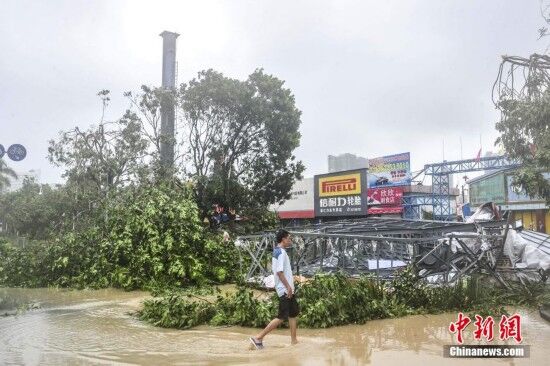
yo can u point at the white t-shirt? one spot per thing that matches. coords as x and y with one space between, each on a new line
281 263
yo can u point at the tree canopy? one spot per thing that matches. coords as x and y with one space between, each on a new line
5 173
525 120
240 136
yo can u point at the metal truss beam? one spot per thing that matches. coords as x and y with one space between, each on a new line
469 165
373 245
440 173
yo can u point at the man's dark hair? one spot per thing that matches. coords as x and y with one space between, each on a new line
281 234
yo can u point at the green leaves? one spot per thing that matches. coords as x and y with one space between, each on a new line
5 174
182 310
525 135
241 136
161 239
148 237
176 312
326 301
35 210
332 299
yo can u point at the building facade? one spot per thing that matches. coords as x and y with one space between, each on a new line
17 183
384 189
300 205
346 161
497 187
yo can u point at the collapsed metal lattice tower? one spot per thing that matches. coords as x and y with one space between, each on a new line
521 78
444 251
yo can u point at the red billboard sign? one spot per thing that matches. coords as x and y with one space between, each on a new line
391 196
385 200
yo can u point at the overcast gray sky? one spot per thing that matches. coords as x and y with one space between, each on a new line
371 77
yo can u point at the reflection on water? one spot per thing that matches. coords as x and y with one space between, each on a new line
96 327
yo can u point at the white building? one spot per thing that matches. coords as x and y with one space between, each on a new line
346 162
16 184
301 204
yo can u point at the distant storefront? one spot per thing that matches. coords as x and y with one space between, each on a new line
383 190
300 204
497 187
488 188
342 194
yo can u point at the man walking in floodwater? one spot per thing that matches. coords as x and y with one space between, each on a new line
284 285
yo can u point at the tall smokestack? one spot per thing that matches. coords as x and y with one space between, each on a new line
167 104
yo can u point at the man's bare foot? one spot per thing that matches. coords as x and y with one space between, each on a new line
294 341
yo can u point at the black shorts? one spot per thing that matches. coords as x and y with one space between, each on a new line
288 308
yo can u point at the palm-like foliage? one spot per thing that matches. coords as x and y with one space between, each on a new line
5 173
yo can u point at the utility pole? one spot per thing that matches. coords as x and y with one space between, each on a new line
167 138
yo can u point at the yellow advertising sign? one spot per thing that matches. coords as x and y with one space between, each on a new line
340 185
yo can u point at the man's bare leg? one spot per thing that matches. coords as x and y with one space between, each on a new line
292 325
272 325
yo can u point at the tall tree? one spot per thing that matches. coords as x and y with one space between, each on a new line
522 94
36 210
241 136
523 98
101 158
99 161
148 104
5 174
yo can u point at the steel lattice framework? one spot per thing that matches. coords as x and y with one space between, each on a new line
412 205
380 246
441 172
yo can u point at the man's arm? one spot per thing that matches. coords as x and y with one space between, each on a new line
285 282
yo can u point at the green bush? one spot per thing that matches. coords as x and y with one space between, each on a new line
331 300
21 266
327 300
174 311
146 238
242 308
157 237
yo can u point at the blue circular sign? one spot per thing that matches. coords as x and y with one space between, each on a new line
2 151
17 152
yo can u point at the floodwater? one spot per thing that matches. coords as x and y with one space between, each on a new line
98 328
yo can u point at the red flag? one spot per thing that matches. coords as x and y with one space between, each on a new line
478 157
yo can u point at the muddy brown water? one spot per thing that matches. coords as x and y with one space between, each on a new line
97 328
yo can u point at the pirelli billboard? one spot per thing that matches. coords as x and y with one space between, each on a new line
341 194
